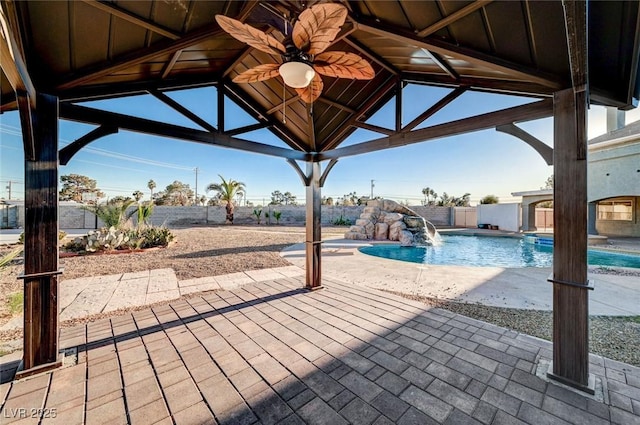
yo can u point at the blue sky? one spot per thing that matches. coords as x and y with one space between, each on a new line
481 163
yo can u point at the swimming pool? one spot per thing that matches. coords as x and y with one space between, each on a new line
485 251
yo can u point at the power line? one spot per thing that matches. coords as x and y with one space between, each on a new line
15 131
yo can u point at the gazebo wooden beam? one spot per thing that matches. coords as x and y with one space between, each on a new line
532 111
84 76
114 10
516 71
156 128
15 69
455 16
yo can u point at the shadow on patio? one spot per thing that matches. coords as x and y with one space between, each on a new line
272 353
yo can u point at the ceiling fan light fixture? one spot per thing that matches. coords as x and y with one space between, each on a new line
297 74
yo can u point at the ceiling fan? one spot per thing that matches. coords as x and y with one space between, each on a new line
303 52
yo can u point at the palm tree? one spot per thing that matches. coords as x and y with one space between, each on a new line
227 190
151 185
138 195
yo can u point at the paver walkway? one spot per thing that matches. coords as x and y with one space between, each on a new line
272 353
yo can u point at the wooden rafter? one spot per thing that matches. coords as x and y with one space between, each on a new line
372 56
450 97
256 111
121 13
15 69
11 57
444 65
182 110
520 88
532 111
246 129
141 125
376 99
146 54
375 128
515 71
169 66
575 14
455 16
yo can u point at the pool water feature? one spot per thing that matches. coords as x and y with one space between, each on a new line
486 251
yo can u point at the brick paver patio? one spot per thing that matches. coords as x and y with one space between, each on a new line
272 353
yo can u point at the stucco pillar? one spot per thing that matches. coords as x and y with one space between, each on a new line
529 218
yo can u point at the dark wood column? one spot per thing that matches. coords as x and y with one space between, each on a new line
41 242
313 240
570 286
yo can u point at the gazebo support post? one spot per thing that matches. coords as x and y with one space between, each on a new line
313 240
570 285
41 243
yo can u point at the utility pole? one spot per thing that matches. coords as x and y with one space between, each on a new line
372 186
9 189
196 199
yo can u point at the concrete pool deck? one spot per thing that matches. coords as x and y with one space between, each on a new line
527 288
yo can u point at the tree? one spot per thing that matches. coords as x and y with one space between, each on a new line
137 195
177 193
489 199
290 199
429 196
327 200
151 185
277 198
452 201
548 184
74 186
227 190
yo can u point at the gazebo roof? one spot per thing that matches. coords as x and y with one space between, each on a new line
80 50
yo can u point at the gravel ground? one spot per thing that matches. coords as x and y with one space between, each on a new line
215 250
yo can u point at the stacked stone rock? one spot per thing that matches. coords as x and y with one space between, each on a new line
384 219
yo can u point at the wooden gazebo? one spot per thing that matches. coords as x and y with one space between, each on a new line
563 54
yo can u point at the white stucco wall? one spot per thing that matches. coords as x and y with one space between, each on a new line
614 170
506 216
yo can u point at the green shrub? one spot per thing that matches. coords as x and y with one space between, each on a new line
257 212
154 236
15 302
341 221
109 239
277 215
100 240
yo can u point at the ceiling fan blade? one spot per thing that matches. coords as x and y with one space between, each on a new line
312 91
318 26
343 65
253 37
258 73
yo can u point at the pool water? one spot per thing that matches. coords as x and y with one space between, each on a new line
491 251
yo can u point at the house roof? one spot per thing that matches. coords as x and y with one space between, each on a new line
630 130
81 50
